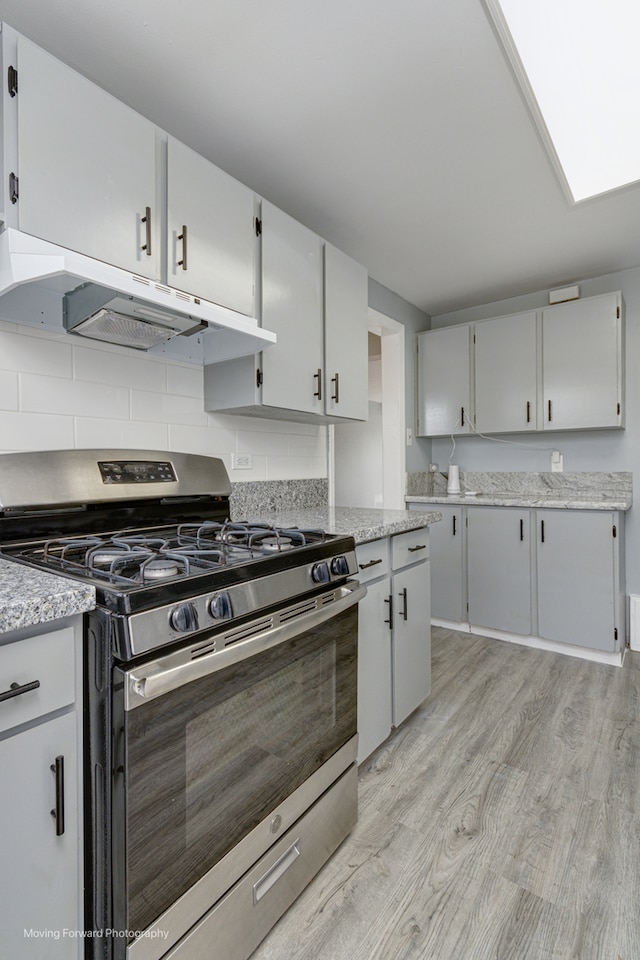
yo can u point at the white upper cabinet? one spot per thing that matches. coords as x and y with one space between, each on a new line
505 374
346 364
444 381
582 364
86 166
292 371
211 238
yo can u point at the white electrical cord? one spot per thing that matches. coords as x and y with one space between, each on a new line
516 443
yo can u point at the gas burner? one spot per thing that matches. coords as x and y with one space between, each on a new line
276 542
159 569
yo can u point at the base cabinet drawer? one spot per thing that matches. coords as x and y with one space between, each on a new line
37 676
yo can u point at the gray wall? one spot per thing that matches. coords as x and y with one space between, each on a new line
606 450
385 301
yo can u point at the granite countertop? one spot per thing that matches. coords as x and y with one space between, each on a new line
29 596
561 501
361 523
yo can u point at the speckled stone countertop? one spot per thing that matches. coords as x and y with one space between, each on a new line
563 491
359 522
29 596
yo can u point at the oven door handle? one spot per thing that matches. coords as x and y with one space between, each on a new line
154 679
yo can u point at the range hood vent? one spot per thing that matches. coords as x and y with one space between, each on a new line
46 285
97 313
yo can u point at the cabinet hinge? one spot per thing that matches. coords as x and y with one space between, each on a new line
615 531
258 227
259 378
617 313
14 192
12 81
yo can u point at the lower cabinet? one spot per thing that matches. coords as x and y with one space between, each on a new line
557 574
40 812
394 648
499 569
447 574
578 567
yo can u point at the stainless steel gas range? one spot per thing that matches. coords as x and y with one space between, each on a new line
220 695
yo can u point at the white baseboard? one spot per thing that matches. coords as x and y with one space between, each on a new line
539 643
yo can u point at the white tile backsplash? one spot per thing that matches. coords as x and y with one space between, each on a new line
61 392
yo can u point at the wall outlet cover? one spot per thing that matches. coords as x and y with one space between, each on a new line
242 461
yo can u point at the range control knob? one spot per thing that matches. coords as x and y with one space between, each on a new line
220 606
320 573
340 566
184 618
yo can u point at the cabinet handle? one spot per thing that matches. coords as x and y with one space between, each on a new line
371 563
549 410
147 222
528 411
462 416
521 529
389 600
542 531
318 376
336 395
421 546
16 689
403 594
58 813
454 524
183 236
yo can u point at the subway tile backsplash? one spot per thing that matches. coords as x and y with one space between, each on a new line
61 392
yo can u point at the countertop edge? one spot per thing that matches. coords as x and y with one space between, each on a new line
553 503
29 597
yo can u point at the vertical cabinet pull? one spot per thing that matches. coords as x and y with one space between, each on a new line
521 529
549 410
336 396
454 525
542 531
528 411
183 236
403 594
147 222
318 376
462 416
389 600
58 812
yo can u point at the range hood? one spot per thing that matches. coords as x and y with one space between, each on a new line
43 284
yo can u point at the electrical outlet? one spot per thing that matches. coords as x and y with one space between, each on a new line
242 461
557 463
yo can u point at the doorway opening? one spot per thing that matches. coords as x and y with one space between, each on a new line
367 463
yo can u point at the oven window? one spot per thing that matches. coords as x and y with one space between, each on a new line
204 764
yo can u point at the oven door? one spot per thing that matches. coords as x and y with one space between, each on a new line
217 750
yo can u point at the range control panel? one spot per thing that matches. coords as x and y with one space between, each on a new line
137 471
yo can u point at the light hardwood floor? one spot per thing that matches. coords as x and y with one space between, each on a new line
500 822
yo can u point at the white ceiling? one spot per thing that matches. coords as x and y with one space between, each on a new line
393 128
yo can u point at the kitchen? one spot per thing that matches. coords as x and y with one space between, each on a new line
56 390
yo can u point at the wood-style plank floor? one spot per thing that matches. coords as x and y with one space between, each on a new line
500 822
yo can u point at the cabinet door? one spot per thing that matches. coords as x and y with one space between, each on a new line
374 668
499 568
215 259
582 364
505 366
292 307
87 166
411 640
447 552
577 578
40 869
346 336
443 382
